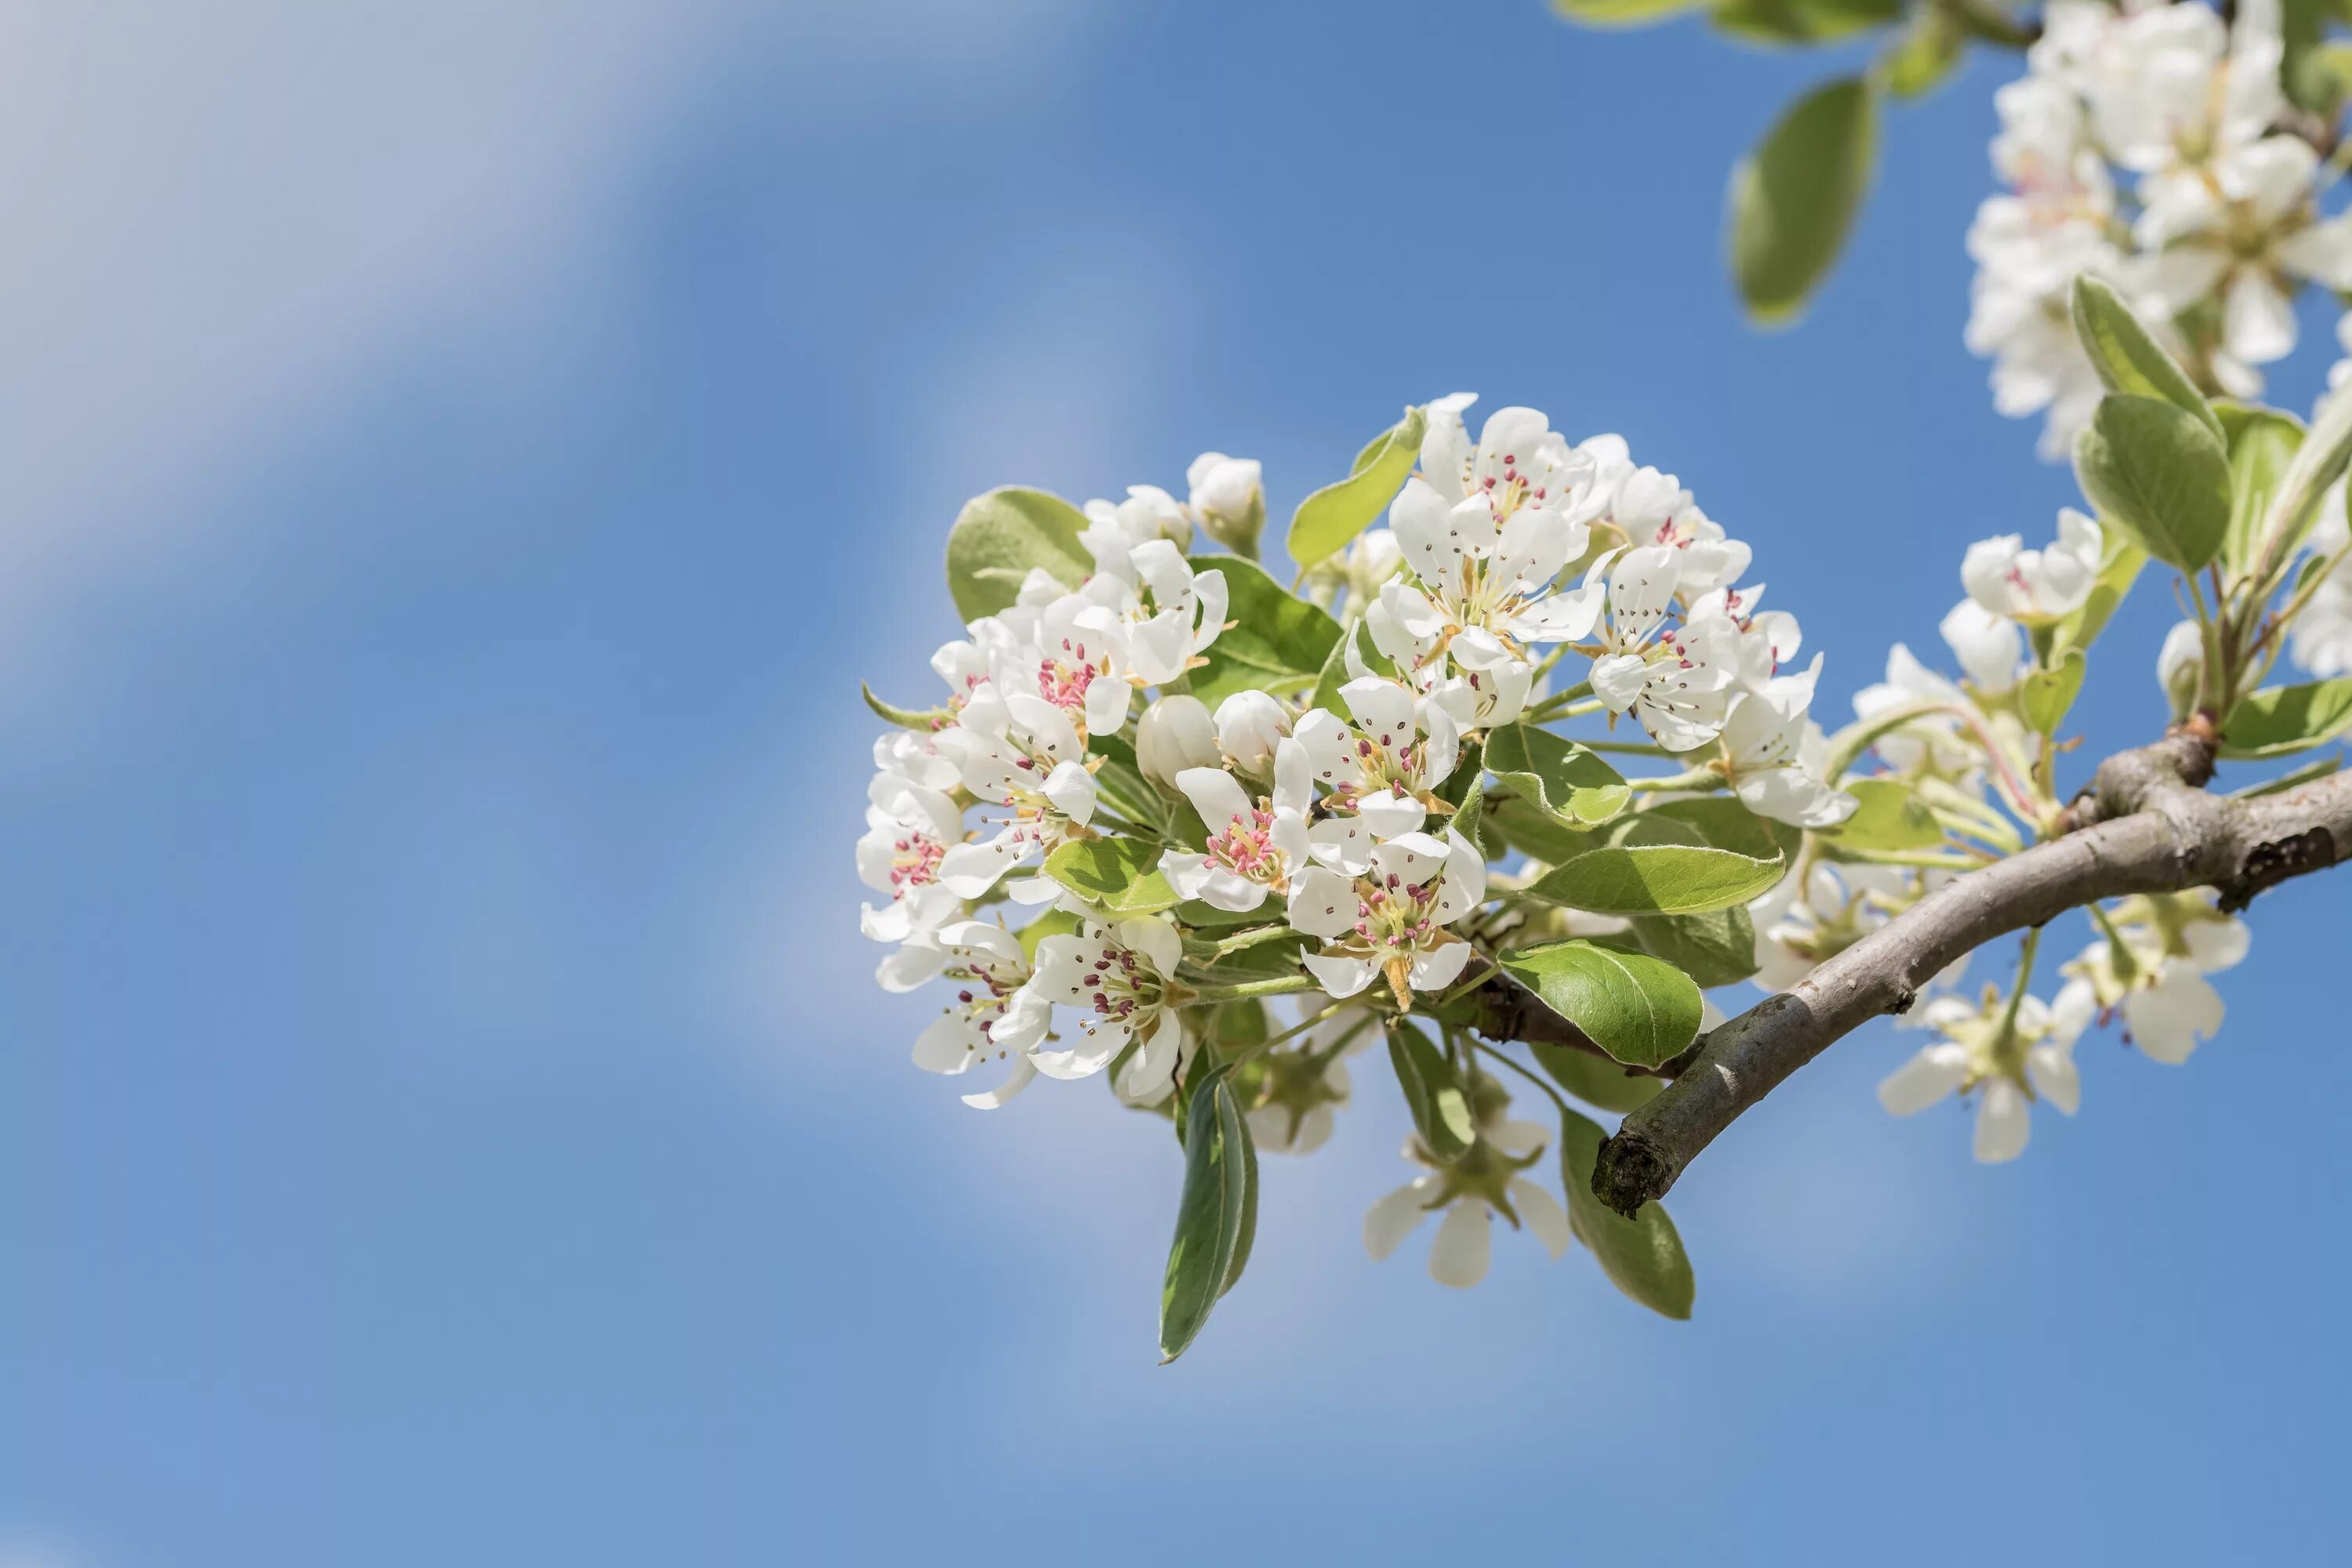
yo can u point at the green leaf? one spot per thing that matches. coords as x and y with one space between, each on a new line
1640 1010
1441 1111
1890 818
1557 777
2262 443
1521 824
1120 876
1326 520
1644 1256
1793 202
2116 577
1622 13
1275 643
999 536
2156 472
1217 1209
1596 1081
2318 463
1682 859
2127 358
2045 695
923 720
1714 949
2279 720
1923 56
1803 21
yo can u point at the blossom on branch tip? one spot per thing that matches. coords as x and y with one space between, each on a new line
1389 922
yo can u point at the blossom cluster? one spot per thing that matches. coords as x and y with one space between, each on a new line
2145 146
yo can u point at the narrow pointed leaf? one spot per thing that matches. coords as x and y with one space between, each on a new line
2156 472
2129 358
1217 1207
2279 720
1326 520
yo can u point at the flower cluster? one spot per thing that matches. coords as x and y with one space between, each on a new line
2144 146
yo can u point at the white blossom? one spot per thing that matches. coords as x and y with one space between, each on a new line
2035 587
1774 754
2169 943
1469 1192
1254 847
1116 978
1988 645
992 1014
1021 753
1299 1088
1389 921
2320 638
1382 770
909 827
1228 498
1675 678
2009 1056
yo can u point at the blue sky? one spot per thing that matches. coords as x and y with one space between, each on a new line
457 462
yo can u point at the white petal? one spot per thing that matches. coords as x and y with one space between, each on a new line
1542 1215
1023 1070
1932 1075
1459 1255
2055 1077
1215 794
1324 903
1435 968
1397 1215
1340 976
2004 1121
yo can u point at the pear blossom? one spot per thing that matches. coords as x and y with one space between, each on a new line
1817 914
1228 499
1483 530
1157 611
1470 1190
1116 529
1988 645
2154 971
1254 847
1773 754
1484 700
1118 977
1389 921
1020 753
992 1014
2035 587
2010 1056
1371 560
1382 770
1677 679
1294 1091
908 830
1768 638
1937 742
1175 732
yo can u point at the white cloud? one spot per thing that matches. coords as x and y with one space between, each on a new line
224 220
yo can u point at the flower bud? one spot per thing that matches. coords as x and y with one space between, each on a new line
1229 499
1175 733
1986 644
1250 724
2181 666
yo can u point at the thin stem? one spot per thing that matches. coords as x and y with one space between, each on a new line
1697 778
1281 985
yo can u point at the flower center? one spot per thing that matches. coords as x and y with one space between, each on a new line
1247 849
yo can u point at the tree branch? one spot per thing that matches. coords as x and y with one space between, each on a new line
2141 828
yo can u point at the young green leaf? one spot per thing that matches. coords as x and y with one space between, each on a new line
2045 695
2117 575
1441 1111
921 719
2279 720
1119 876
1715 949
2127 358
1685 857
1218 1206
1326 520
1273 642
1470 819
2262 443
999 536
1890 818
1555 775
1640 1009
1794 199
1595 1081
1644 1256
2156 472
